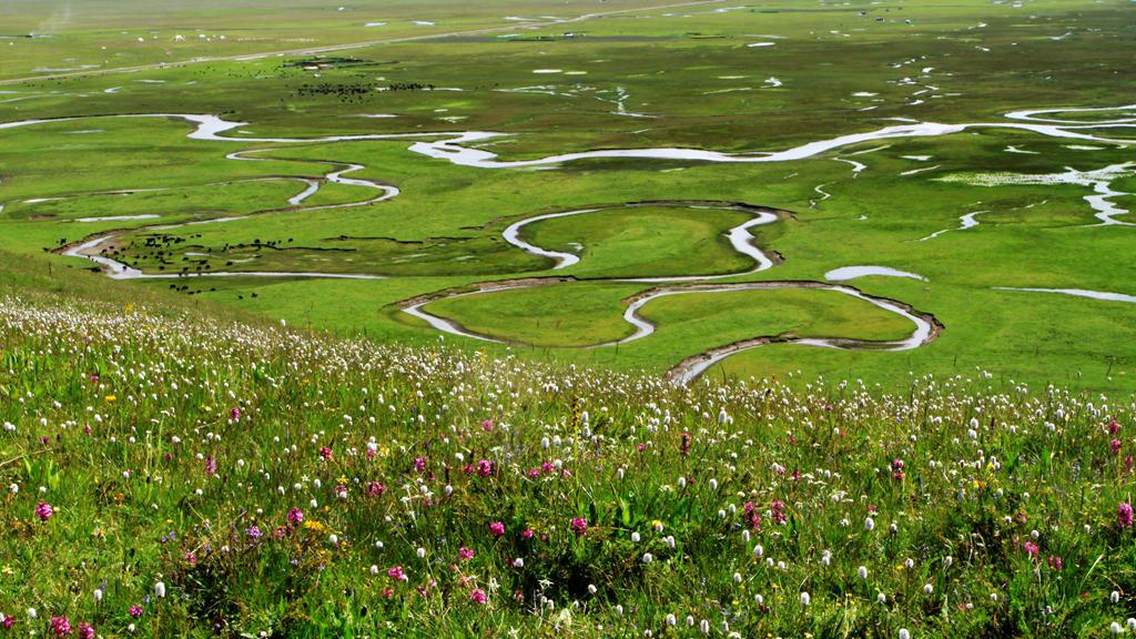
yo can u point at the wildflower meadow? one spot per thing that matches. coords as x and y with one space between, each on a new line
168 475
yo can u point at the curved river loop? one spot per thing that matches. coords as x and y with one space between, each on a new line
455 147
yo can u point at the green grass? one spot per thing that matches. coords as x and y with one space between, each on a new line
172 445
644 241
589 314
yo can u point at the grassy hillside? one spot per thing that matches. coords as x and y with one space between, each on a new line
173 474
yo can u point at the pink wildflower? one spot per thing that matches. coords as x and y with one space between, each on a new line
396 573
497 529
295 516
44 511
485 468
897 469
477 596
779 516
752 517
61 626
579 526
1124 514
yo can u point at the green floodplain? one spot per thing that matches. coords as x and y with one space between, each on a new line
972 147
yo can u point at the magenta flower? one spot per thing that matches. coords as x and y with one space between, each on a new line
254 532
487 425
497 529
1114 445
778 510
1031 549
897 469
44 511
1113 427
420 464
1055 562
210 466
86 630
477 596
135 611
376 489
235 414
8 621
527 533
752 517
325 453
397 573
465 554
1124 514
485 468
579 526
61 626
295 516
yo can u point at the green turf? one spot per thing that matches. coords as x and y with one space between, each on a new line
645 241
588 314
